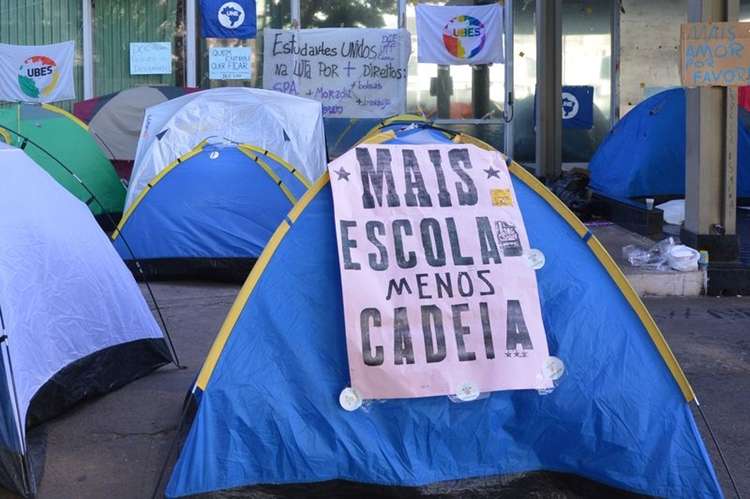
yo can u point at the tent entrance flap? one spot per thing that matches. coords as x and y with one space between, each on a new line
238 196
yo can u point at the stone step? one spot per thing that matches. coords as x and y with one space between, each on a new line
648 282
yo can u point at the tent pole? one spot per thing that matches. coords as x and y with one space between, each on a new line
93 197
172 445
28 473
718 448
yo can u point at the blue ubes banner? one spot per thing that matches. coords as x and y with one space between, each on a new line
222 19
578 106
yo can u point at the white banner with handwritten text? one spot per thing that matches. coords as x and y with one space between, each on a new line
353 72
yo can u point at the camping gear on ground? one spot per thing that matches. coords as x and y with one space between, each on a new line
56 136
209 214
644 154
267 420
115 120
290 127
74 323
572 189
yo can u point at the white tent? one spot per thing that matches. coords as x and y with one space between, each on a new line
74 323
288 126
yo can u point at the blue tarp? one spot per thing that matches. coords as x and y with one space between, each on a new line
219 203
269 413
644 154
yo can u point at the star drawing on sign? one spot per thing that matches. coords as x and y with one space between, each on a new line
342 174
491 172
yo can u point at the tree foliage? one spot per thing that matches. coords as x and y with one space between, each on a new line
335 13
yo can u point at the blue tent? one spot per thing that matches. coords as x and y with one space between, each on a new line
267 415
644 154
209 214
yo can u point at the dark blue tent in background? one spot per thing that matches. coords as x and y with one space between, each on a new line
644 154
209 214
267 418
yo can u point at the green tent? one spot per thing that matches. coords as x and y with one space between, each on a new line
56 135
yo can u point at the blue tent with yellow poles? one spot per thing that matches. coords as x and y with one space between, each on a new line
644 154
266 420
209 214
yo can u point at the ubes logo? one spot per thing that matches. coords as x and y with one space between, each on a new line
464 36
570 106
231 15
38 76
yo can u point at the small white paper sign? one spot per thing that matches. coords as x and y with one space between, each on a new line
230 63
150 58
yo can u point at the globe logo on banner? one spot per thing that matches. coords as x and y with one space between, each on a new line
38 76
464 36
570 106
231 15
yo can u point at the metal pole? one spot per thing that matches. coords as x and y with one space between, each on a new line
88 50
443 91
509 100
296 14
549 88
190 44
614 65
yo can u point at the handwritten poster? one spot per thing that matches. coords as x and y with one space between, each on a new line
229 63
715 54
153 58
437 287
353 72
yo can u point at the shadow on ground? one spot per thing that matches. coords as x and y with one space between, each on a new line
114 447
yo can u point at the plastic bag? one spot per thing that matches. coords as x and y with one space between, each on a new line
674 211
654 257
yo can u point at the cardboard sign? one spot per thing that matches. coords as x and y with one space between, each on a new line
152 58
353 72
37 73
230 63
439 294
715 54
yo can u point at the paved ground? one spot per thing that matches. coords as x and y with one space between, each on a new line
711 339
114 447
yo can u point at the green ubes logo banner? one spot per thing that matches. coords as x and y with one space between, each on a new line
38 76
37 73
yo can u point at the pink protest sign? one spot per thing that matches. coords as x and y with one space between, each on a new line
439 292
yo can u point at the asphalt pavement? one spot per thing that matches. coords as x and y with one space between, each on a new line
114 447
